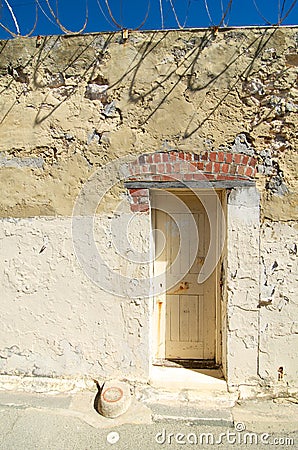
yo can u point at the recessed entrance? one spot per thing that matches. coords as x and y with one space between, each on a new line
188 255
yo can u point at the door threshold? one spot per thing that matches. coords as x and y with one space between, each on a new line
187 363
177 378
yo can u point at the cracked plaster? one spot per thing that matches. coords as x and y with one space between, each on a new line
75 103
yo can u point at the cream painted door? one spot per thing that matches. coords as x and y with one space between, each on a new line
189 323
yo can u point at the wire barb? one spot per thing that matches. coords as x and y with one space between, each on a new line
56 17
51 9
13 16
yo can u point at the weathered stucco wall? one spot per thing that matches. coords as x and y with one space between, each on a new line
71 105
185 90
55 320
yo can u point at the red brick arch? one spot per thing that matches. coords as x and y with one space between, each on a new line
187 167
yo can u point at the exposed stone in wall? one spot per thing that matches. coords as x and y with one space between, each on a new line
72 105
193 91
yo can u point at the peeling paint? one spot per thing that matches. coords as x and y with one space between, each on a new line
62 117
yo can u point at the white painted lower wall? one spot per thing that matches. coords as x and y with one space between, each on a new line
262 305
243 285
57 323
279 319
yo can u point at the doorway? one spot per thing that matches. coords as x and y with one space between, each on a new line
188 242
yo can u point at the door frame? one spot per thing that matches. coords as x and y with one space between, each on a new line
158 320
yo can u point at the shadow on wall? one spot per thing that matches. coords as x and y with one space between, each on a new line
187 62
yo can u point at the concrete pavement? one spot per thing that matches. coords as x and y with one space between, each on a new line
69 421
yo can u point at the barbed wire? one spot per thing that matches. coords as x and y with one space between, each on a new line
57 20
288 12
115 17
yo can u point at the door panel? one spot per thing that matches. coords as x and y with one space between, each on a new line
189 305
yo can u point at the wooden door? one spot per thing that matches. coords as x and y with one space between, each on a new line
189 323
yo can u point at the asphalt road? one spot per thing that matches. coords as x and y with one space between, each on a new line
70 422
26 429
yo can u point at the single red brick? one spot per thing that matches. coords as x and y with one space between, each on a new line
187 156
160 168
188 176
156 177
134 208
157 157
225 168
139 208
249 171
174 156
245 159
134 192
240 170
145 168
199 176
233 169
253 162
177 167
216 167
181 155
139 192
184 167
191 167
229 157
200 166
204 156
220 156
152 168
210 176
166 178
165 157
149 159
208 167
169 168
237 158
212 156
177 176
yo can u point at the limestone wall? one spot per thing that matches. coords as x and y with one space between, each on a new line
73 104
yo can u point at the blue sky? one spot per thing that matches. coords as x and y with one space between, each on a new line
131 13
